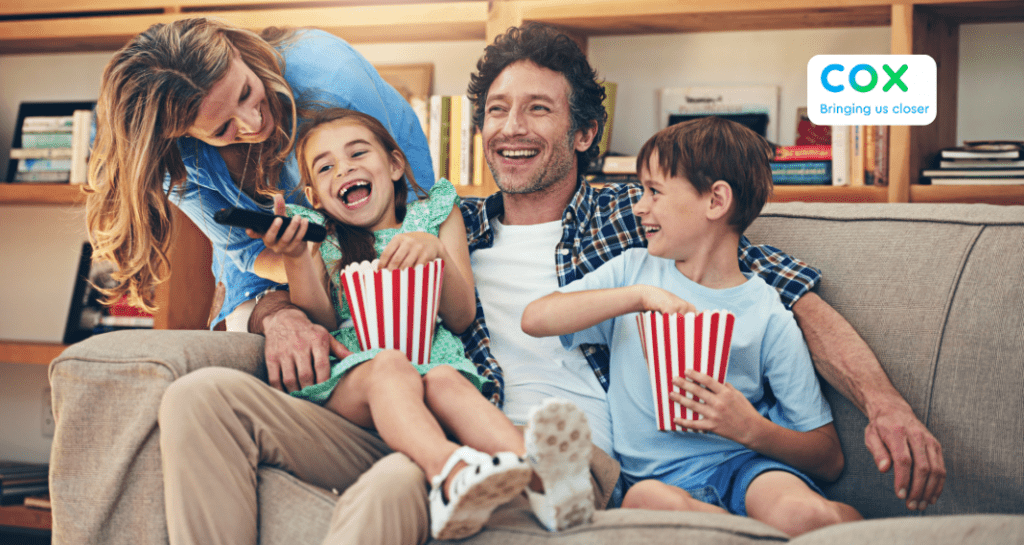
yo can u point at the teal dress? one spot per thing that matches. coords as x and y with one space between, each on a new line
424 216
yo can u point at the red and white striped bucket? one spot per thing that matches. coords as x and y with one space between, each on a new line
394 309
673 343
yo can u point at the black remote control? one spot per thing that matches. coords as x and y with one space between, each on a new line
260 222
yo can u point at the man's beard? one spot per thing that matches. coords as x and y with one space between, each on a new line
551 173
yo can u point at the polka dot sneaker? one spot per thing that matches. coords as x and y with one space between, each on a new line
558 448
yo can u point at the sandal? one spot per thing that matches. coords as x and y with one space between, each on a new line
485 483
558 448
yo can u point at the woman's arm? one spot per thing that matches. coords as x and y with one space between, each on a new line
563 313
728 413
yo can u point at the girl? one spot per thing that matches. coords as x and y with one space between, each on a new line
357 179
203 114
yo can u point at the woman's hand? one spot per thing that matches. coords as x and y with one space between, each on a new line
659 300
725 410
410 249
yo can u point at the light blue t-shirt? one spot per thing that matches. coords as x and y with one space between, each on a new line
769 364
322 70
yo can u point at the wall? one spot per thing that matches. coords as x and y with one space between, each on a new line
40 244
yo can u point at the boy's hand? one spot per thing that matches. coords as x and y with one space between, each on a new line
725 410
659 300
289 243
410 249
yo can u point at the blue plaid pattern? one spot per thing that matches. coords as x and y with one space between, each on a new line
598 225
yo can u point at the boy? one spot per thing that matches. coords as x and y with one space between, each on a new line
704 182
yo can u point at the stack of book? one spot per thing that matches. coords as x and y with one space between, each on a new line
979 163
456 147
802 165
860 155
20 479
53 148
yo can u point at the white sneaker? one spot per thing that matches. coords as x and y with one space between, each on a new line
485 483
558 448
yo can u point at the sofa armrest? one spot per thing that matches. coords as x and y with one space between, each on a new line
106 482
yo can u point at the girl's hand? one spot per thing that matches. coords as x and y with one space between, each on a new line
289 243
410 249
659 300
725 410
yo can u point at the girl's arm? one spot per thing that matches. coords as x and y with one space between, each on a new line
563 313
728 413
458 298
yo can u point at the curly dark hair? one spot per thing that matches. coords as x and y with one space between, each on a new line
548 48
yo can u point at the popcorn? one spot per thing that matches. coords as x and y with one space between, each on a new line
394 309
673 343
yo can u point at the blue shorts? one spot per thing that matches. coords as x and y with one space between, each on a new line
725 485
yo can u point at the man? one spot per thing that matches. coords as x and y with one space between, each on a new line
537 102
539 125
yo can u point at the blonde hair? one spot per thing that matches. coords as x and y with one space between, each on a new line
150 96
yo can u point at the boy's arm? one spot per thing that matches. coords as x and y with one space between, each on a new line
563 313
728 413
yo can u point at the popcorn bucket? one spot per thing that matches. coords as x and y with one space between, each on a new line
673 343
394 309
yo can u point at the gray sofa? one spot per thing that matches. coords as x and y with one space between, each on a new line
937 291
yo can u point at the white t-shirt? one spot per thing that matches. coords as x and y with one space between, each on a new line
517 270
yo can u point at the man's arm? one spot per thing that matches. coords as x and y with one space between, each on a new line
297 350
894 435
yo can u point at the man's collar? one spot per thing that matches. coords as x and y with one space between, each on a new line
580 205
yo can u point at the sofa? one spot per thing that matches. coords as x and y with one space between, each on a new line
936 290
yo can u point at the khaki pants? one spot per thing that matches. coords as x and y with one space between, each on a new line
218 425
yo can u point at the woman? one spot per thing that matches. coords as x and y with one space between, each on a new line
202 115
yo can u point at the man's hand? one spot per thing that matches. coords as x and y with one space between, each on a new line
297 350
898 440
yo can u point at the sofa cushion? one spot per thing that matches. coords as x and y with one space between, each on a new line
937 293
942 530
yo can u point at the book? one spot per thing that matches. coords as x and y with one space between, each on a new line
971 173
809 134
46 140
43 176
857 155
444 138
619 164
840 155
803 153
434 134
881 155
801 172
80 132
985 150
139 322
982 163
41 501
466 141
870 148
610 91
455 140
11 469
44 165
40 153
47 123
478 158
16 494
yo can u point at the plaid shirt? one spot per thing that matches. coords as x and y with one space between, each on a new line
598 225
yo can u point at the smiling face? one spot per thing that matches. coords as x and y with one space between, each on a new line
527 135
235 111
672 212
352 175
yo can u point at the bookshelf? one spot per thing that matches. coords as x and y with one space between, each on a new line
38 26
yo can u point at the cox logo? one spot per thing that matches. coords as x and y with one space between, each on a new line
871 89
895 78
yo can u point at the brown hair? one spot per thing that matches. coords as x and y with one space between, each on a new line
712 148
356 243
149 98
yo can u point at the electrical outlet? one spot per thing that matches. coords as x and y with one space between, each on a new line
46 415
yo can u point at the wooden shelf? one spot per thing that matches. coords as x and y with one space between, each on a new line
826 193
104 26
29 352
41 194
19 516
990 194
